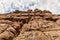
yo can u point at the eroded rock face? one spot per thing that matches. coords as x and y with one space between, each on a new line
3 27
32 35
30 25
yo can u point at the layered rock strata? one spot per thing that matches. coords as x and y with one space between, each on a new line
30 25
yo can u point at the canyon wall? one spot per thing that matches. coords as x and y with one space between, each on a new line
30 25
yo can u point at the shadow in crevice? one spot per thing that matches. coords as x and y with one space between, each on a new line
51 19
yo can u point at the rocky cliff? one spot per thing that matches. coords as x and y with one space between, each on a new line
30 25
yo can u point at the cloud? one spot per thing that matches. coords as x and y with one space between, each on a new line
7 6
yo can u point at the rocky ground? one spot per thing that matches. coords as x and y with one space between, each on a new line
30 25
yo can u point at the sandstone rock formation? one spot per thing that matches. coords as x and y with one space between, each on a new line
30 25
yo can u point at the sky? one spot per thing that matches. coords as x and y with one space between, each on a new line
7 6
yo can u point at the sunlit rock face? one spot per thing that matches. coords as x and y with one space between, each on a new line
7 6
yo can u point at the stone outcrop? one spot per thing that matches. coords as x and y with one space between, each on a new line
30 25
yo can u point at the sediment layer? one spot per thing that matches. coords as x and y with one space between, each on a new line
30 25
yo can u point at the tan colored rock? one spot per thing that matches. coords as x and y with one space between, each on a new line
30 25
3 27
6 35
32 35
58 21
54 35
